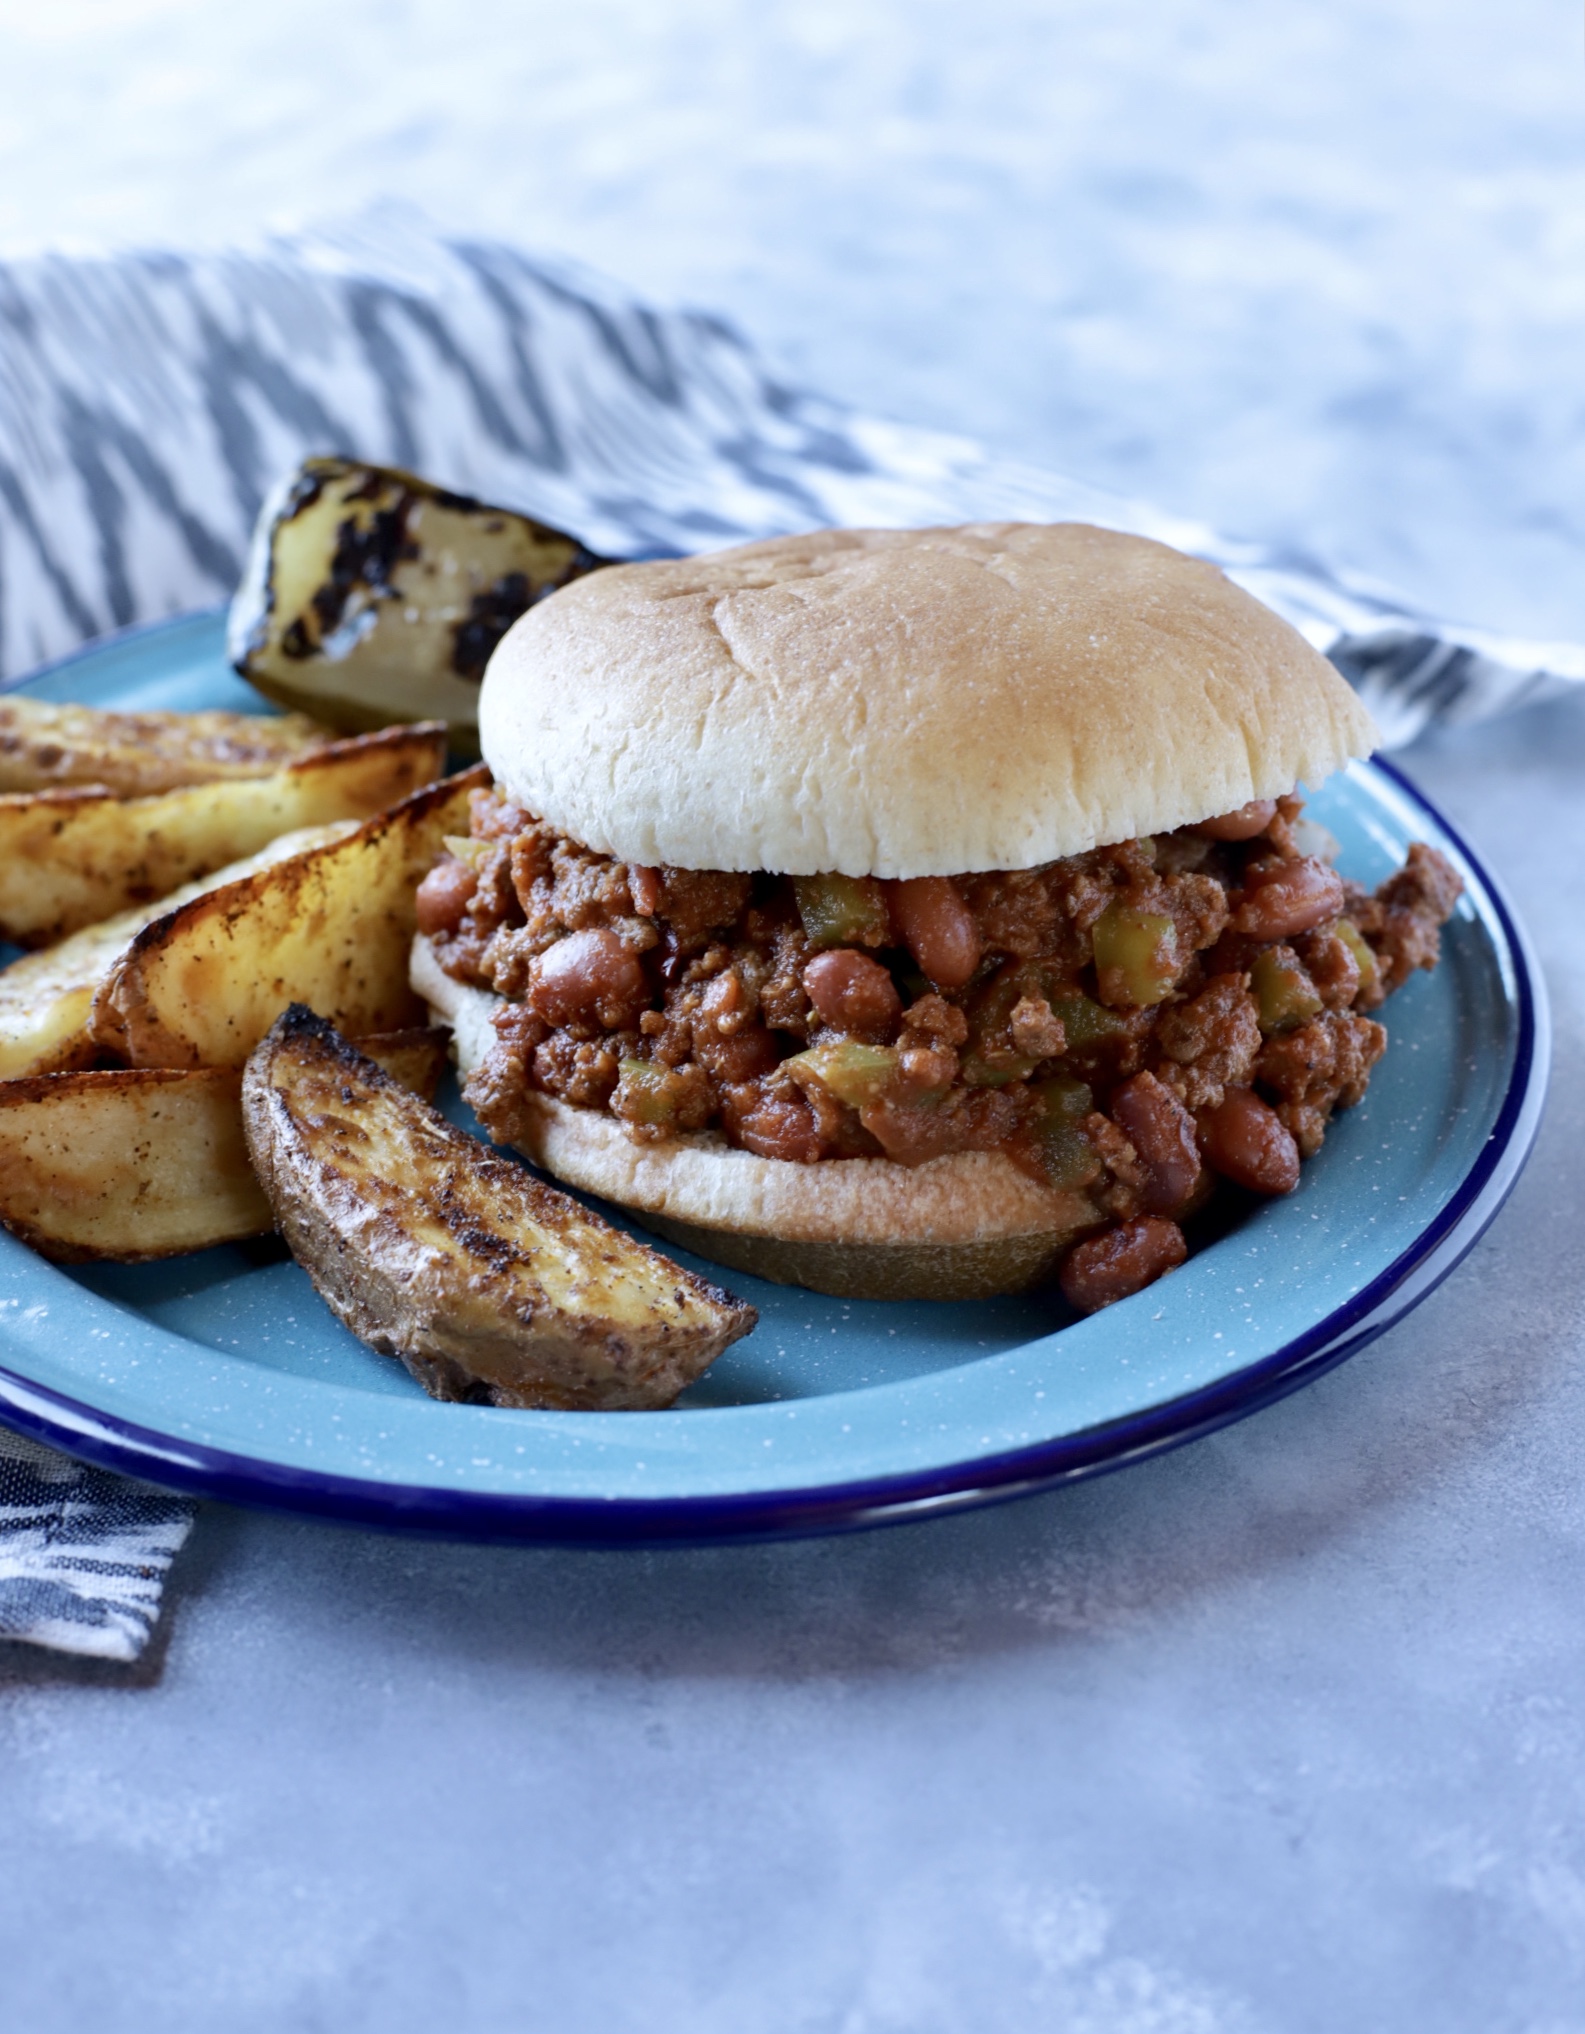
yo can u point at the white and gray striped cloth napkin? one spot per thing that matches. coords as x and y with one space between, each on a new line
83 1553
147 403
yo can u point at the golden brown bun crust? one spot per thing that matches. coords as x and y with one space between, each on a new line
906 702
879 1271
957 1228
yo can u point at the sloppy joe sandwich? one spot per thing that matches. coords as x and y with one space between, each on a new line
921 912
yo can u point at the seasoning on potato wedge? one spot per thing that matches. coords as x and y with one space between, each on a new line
46 746
488 1285
125 1164
46 999
69 858
372 595
201 985
144 1162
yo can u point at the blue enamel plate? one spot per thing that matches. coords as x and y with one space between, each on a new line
222 1373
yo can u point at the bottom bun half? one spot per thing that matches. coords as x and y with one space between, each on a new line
963 1227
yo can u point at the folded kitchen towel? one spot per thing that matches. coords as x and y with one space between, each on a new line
83 1554
147 402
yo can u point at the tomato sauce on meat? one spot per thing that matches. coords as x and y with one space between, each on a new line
1135 1023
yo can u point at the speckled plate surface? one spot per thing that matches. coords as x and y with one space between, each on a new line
222 1373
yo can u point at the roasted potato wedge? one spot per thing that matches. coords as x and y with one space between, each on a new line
72 858
148 1162
46 998
490 1286
372 596
127 1164
415 1058
45 746
202 985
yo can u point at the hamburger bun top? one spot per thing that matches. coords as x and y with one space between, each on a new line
906 702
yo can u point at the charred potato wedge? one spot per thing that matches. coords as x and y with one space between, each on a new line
201 985
371 595
46 747
72 858
147 1162
488 1285
46 999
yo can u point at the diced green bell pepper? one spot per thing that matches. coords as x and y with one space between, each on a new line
1369 967
990 1063
1085 1021
1067 1156
646 1093
1136 955
989 1060
1284 994
855 1073
843 911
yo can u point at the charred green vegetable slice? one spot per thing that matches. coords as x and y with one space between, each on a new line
372 596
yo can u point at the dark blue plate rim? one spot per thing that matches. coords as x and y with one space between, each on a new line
123 1445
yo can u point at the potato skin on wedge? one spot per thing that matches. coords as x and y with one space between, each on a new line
490 1287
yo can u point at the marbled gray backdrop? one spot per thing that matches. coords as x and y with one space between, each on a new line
1314 272
1285 1732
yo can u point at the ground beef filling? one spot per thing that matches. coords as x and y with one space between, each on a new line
1128 1025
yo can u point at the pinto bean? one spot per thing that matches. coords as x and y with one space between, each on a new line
1332 964
1245 822
647 889
1120 1261
1284 898
588 976
773 1126
741 1056
1161 1130
1247 1143
444 895
724 1008
850 992
938 928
